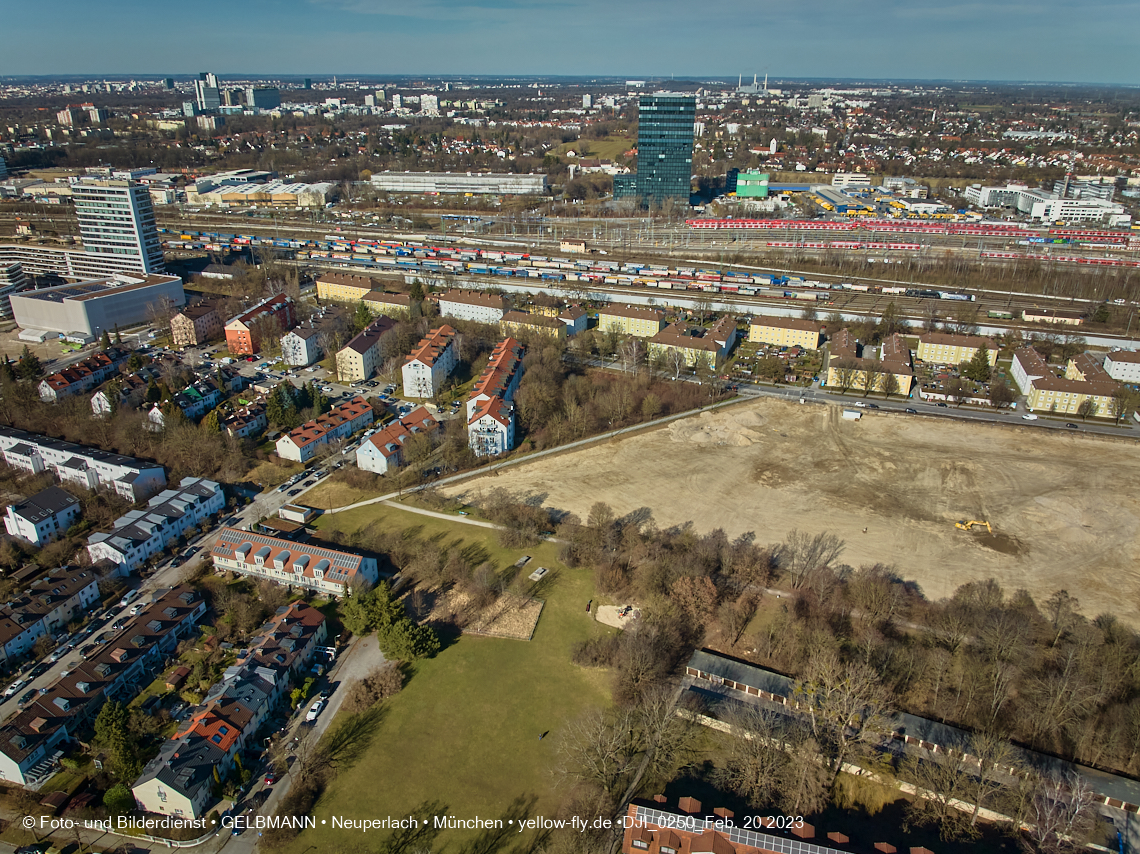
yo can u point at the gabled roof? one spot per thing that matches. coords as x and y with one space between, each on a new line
432 346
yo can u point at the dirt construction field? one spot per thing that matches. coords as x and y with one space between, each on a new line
1065 508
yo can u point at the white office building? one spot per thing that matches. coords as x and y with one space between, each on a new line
116 221
477 183
1042 205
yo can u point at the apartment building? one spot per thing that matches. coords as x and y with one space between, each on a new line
303 443
694 344
392 305
785 332
1046 392
384 450
365 353
478 306
34 739
196 324
430 363
89 468
521 323
243 332
43 517
575 318
1123 366
305 566
942 348
491 422
344 287
850 365
141 534
301 346
634 320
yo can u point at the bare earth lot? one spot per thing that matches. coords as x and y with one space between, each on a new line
1065 508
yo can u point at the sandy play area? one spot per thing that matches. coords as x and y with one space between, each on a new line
1064 506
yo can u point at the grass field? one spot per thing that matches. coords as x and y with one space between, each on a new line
608 148
464 732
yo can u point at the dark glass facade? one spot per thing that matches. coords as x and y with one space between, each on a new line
664 149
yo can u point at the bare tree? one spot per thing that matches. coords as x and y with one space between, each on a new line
1124 400
870 376
846 372
1063 813
846 703
632 354
802 554
675 361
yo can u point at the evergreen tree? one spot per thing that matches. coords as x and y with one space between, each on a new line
135 362
153 394
978 367
105 340
212 423
118 336
7 371
29 367
417 291
360 318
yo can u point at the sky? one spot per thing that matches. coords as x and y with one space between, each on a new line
1092 41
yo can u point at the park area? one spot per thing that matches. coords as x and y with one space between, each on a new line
1064 507
462 737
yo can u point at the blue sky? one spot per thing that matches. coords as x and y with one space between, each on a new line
1047 40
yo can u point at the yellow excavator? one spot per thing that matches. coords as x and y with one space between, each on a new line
966 526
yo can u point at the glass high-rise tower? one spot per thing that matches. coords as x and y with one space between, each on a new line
116 224
664 149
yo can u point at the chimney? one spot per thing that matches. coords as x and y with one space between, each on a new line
660 799
804 831
885 847
722 812
689 805
840 838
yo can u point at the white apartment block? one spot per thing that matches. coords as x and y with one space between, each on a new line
473 305
1123 366
89 468
300 347
301 565
433 360
140 534
303 443
43 517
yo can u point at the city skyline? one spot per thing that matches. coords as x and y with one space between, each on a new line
884 39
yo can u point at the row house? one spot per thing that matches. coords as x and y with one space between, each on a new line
490 408
33 740
304 566
89 468
81 377
384 450
46 608
303 443
141 534
179 781
249 420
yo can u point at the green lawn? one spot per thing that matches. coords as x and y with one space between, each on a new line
464 731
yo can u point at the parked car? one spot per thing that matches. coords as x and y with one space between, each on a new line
911 411
941 405
1072 426
293 492
270 778
1029 417
26 698
315 710
860 404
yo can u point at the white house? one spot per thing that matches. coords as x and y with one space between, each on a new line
384 449
433 360
140 534
301 346
491 430
305 566
43 517
490 408
575 318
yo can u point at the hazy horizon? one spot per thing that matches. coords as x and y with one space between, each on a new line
1006 41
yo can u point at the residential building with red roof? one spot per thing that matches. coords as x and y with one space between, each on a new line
430 363
81 377
384 450
491 408
304 566
303 443
243 333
